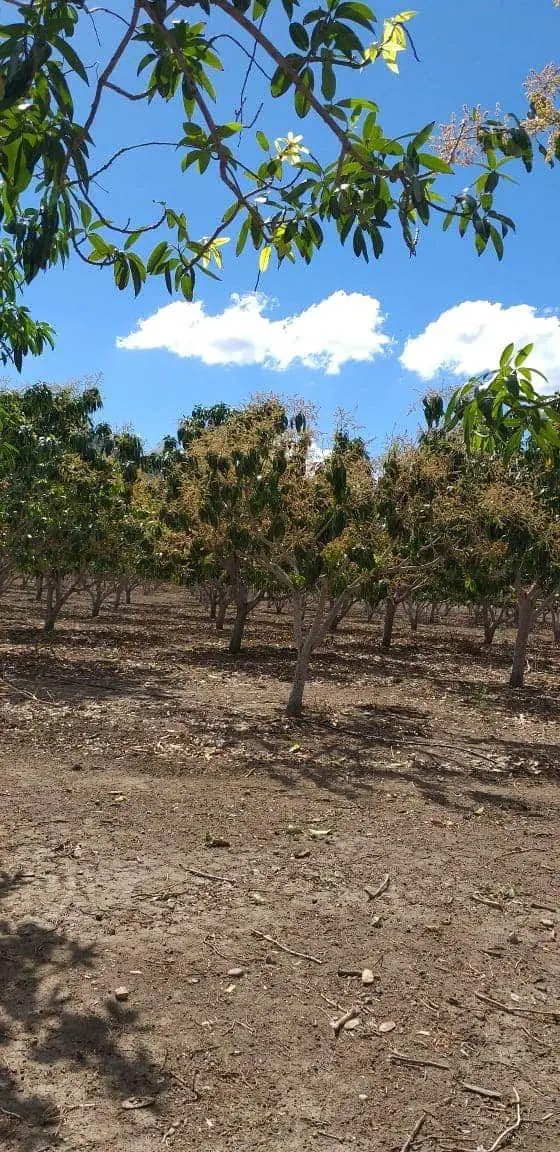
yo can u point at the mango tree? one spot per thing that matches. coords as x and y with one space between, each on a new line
330 548
230 501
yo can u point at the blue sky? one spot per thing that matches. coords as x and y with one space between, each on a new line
479 53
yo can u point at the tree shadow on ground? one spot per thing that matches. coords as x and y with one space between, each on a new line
53 679
366 747
40 1025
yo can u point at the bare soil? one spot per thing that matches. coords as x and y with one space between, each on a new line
160 818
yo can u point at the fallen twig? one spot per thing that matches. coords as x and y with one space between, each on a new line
543 907
373 892
478 1091
323 1131
516 1011
486 900
35 700
184 1083
410 743
211 876
507 1131
410 1139
402 1058
337 1025
284 947
14 1115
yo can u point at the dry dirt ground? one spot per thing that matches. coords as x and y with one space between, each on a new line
164 829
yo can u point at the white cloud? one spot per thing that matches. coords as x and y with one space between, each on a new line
469 338
316 455
343 327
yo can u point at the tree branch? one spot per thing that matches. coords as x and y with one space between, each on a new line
108 70
258 35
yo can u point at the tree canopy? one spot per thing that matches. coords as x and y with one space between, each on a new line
279 196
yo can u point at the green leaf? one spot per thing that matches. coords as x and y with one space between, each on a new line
280 83
328 80
523 354
137 271
435 163
243 234
157 257
358 13
505 358
497 242
299 36
423 136
263 141
71 57
301 104
86 214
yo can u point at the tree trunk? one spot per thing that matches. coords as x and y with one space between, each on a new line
118 596
488 622
96 602
307 640
213 601
301 671
39 589
525 619
53 604
555 624
434 613
127 594
413 612
223 601
390 612
340 614
242 611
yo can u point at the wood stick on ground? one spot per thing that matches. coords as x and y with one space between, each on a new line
373 892
515 1011
211 876
410 1139
486 900
337 1025
478 1091
284 947
500 1140
402 1058
14 1115
184 1083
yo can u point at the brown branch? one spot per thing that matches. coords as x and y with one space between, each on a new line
373 892
410 1139
258 35
124 92
131 148
338 1025
222 153
417 1061
512 1127
478 1091
211 876
284 947
108 70
107 12
516 1011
